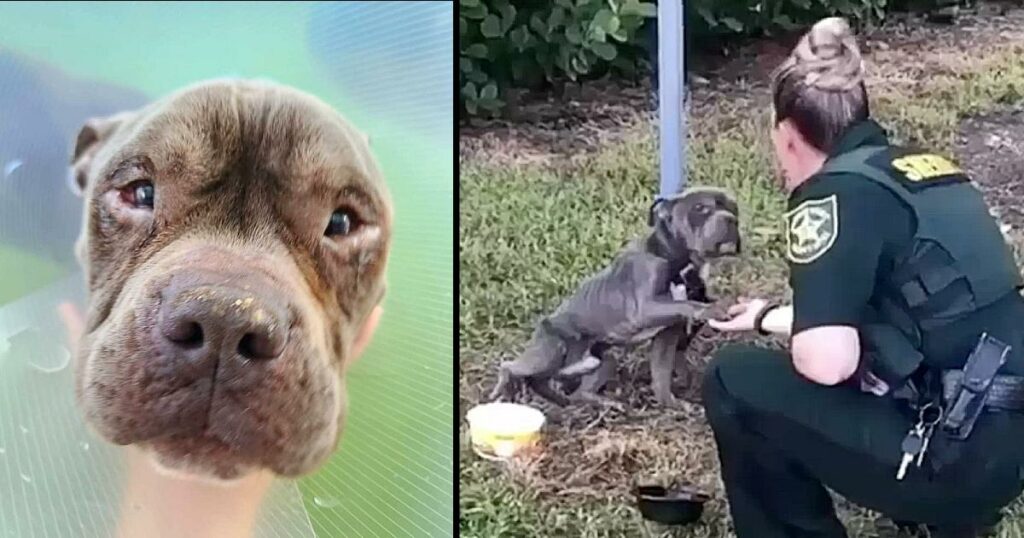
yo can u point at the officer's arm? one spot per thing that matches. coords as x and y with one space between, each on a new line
828 355
833 276
839 342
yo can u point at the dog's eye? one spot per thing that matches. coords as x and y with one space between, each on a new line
702 209
139 194
342 223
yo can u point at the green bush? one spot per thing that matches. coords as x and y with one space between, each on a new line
536 43
719 18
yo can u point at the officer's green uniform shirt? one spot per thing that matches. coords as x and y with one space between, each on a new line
851 227
843 233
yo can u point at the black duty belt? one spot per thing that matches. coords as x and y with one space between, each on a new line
1005 394
952 401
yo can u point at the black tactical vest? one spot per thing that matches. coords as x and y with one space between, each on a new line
957 262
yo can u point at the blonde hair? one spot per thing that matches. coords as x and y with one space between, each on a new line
820 87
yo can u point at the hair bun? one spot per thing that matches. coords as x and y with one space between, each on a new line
829 57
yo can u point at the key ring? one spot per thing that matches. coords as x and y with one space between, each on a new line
922 415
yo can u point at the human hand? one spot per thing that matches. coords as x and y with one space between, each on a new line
73 323
742 315
365 334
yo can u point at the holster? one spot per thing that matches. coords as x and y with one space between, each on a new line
962 410
1005 394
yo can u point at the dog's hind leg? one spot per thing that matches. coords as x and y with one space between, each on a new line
593 380
596 380
585 396
591 383
542 386
579 360
544 355
504 386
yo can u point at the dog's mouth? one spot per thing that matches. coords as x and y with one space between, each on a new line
722 249
201 457
730 248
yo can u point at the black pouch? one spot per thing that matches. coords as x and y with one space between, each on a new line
962 411
890 355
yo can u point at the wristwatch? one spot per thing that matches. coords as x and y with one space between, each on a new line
759 318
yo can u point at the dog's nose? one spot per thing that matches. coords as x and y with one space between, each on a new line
201 317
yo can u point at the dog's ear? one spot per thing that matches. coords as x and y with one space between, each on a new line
660 210
91 137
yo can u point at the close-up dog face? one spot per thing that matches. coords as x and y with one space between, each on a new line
234 240
704 220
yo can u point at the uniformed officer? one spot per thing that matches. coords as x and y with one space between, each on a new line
897 269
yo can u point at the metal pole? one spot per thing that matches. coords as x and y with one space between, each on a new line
671 97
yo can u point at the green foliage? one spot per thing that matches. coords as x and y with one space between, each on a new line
720 18
533 44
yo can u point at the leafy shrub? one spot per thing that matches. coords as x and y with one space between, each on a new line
716 18
535 43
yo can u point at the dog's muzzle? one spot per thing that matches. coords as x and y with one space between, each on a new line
202 318
729 248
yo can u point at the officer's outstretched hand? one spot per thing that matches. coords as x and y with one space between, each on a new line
741 316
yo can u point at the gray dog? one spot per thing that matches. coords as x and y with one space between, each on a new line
638 297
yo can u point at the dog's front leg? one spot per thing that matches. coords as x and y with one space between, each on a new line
683 369
663 311
662 360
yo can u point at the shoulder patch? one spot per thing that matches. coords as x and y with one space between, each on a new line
811 229
925 166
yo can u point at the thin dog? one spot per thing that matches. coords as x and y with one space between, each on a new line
631 301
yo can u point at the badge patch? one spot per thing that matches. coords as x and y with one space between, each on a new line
811 229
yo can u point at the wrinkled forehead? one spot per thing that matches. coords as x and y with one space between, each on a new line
710 196
252 127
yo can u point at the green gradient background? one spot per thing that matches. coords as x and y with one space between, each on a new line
393 474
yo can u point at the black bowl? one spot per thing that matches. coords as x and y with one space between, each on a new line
678 506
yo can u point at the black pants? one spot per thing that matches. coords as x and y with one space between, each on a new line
782 439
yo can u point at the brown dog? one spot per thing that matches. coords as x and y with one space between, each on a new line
234 240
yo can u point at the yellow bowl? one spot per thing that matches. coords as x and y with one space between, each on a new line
501 430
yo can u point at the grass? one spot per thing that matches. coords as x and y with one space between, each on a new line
529 233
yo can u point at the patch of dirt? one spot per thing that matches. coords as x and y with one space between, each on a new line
990 149
551 129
